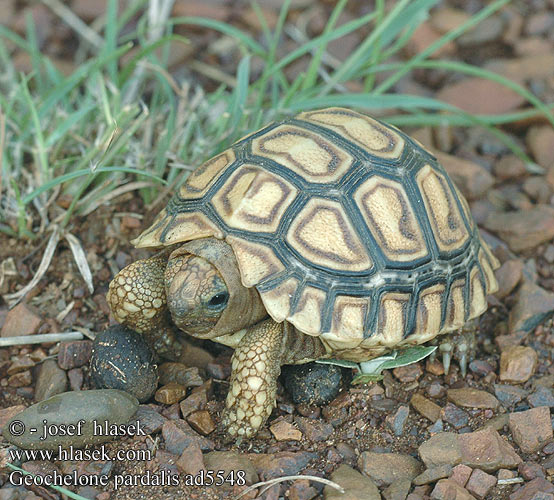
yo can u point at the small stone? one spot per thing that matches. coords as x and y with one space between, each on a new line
480 483
489 30
433 474
533 490
480 367
435 367
531 429
446 489
461 474
472 179
517 364
487 450
436 390
314 430
150 420
440 449
179 435
283 431
530 470
408 373
74 354
505 474
454 416
446 18
436 427
509 395
191 461
20 379
179 374
385 468
356 486
23 319
533 305
509 167
478 95
469 397
201 421
218 370
76 379
538 190
20 364
523 229
196 401
397 421
301 490
284 463
543 396
523 68
540 141
398 490
51 380
426 407
170 393
508 276
539 23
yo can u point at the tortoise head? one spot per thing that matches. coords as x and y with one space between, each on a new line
204 292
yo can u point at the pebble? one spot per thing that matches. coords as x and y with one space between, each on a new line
201 421
446 489
477 95
191 461
312 383
356 486
530 470
397 421
533 305
538 190
469 397
456 417
472 179
481 367
283 463
540 141
539 23
150 420
531 429
20 379
425 35
517 364
170 393
523 229
180 374
461 474
509 167
178 436
51 380
284 431
23 319
480 483
408 373
523 68
446 19
76 379
488 30
196 401
74 354
433 474
121 359
314 430
509 395
113 406
537 489
20 364
426 407
231 461
385 468
398 490
508 276
301 490
484 449
543 396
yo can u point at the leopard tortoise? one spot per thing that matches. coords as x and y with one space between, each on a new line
329 234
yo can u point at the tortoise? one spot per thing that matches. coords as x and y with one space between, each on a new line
329 234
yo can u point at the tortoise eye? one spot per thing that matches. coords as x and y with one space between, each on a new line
218 301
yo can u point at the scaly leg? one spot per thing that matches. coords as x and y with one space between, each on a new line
137 299
458 345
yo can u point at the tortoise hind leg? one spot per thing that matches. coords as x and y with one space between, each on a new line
459 345
137 299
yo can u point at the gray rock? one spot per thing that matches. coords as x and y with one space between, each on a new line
356 486
51 380
105 407
385 468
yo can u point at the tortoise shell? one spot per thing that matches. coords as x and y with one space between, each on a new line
348 229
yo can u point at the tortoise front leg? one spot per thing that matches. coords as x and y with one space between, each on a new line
256 364
137 299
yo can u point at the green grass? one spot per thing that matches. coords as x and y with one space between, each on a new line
121 122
